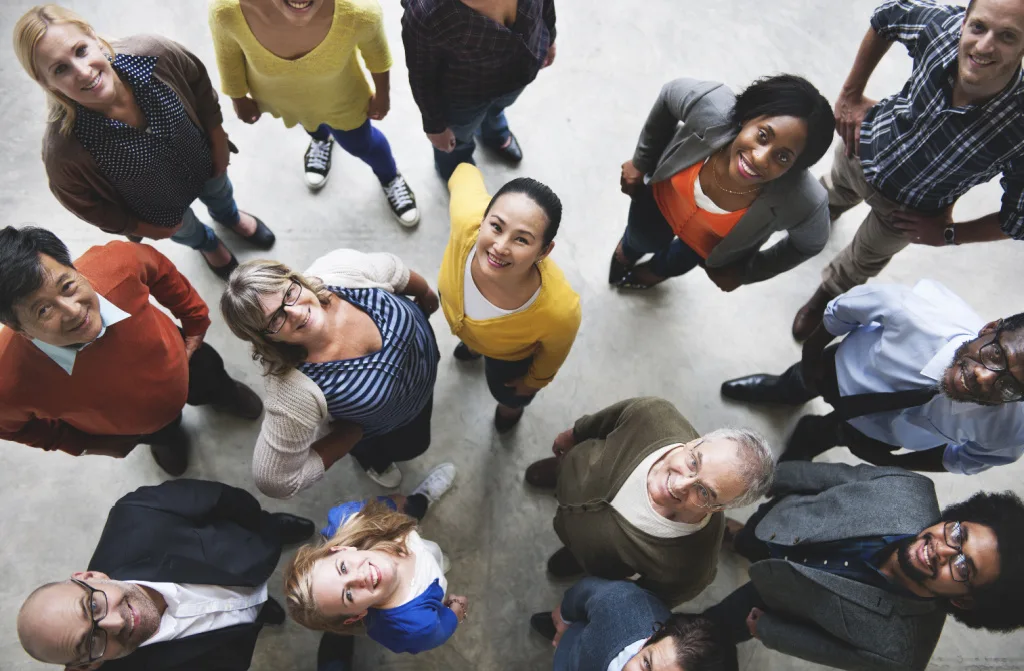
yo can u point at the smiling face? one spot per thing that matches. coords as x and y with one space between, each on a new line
691 480
63 311
71 62
660 656
298 12
991 45
348 582
55 625
968 379
766 149
304 320
928 566
511 238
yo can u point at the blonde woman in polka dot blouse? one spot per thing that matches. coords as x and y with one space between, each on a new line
134 134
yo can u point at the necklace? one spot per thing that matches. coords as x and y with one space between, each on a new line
714 173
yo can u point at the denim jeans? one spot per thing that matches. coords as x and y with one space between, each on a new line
219 198
367 144
486 119
647 231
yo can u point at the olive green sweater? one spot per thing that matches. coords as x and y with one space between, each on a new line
610 445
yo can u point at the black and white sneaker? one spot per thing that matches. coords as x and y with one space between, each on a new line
402 201
318 163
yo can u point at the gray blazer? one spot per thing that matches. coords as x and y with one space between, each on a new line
833 620
688 123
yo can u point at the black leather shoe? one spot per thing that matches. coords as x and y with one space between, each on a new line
263 237
511 152
291 529
463 353
272 613
542 624
169 448
505 424
758 388
543 474
563 565
243 403
811 436
224 272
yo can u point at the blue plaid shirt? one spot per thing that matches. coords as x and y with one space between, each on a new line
920 151
856 558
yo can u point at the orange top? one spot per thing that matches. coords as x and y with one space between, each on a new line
700 229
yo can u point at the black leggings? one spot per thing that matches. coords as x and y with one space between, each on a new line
404 443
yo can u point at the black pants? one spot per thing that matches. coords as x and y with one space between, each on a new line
404 443
499 373
335 653
208 383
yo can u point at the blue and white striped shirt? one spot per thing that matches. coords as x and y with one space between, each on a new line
387 389
919 150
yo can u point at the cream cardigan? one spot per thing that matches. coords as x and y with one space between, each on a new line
296 410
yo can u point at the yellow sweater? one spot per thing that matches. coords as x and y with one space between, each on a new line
327 85
546 329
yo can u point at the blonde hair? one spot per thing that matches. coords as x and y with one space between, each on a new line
375 527
242 310
31 28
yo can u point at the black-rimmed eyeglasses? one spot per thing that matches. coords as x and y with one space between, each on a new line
97 606
279 317
993 357
960 566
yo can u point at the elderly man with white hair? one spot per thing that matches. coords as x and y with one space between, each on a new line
641 494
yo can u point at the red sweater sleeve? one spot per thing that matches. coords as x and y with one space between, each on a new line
50 434
172 290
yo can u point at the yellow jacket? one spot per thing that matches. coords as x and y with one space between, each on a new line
328 85
545 330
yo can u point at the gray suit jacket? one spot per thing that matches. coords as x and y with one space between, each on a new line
833 620
688 123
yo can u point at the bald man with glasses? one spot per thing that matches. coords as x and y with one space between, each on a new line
178 582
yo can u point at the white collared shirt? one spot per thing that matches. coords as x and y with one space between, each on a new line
65 357
627 654
901 339
633 502
195 609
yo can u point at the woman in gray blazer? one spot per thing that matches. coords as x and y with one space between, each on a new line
715 174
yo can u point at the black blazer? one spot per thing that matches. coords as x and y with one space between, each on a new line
189 531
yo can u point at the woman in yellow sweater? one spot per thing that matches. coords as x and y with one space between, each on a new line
501 294
302 61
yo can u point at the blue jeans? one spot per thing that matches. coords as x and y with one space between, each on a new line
365 143
647 231
486 119
219 198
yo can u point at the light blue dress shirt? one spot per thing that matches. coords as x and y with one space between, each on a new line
901 338
65 357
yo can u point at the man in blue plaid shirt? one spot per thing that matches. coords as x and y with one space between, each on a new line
957 123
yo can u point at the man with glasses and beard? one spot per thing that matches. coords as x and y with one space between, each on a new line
178 582
854 567
918 369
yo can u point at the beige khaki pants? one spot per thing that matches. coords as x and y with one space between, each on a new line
875 242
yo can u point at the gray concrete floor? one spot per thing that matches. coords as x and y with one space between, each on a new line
577 123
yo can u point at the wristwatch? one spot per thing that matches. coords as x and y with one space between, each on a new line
949 234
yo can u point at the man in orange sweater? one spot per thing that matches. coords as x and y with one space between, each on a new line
88 365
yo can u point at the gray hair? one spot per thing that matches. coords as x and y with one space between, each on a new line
758 463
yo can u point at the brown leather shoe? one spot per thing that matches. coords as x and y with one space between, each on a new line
810 315
244 403
543 474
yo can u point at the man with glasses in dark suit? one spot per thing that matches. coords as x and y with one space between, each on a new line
178 581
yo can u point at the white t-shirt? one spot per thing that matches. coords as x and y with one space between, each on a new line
476 305
634 503
627 654
196 609
704 202
429 565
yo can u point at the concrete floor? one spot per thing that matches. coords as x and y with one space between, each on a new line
577 123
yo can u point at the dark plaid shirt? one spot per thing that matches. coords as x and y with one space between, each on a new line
920 151
458 57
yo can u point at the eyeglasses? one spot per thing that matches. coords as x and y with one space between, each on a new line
960 567
279 317
98 610
993 357
693 462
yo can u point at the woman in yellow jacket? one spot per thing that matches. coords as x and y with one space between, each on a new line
503 297
302 61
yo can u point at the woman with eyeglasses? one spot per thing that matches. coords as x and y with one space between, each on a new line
350 360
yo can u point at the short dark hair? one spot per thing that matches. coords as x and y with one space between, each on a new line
1013 324
539 193
21 271
998 606
789 95
699 645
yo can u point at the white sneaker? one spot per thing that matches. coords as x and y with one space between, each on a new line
437 482
402 201
389 479
318 163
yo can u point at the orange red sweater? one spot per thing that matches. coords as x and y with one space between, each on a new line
131 381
